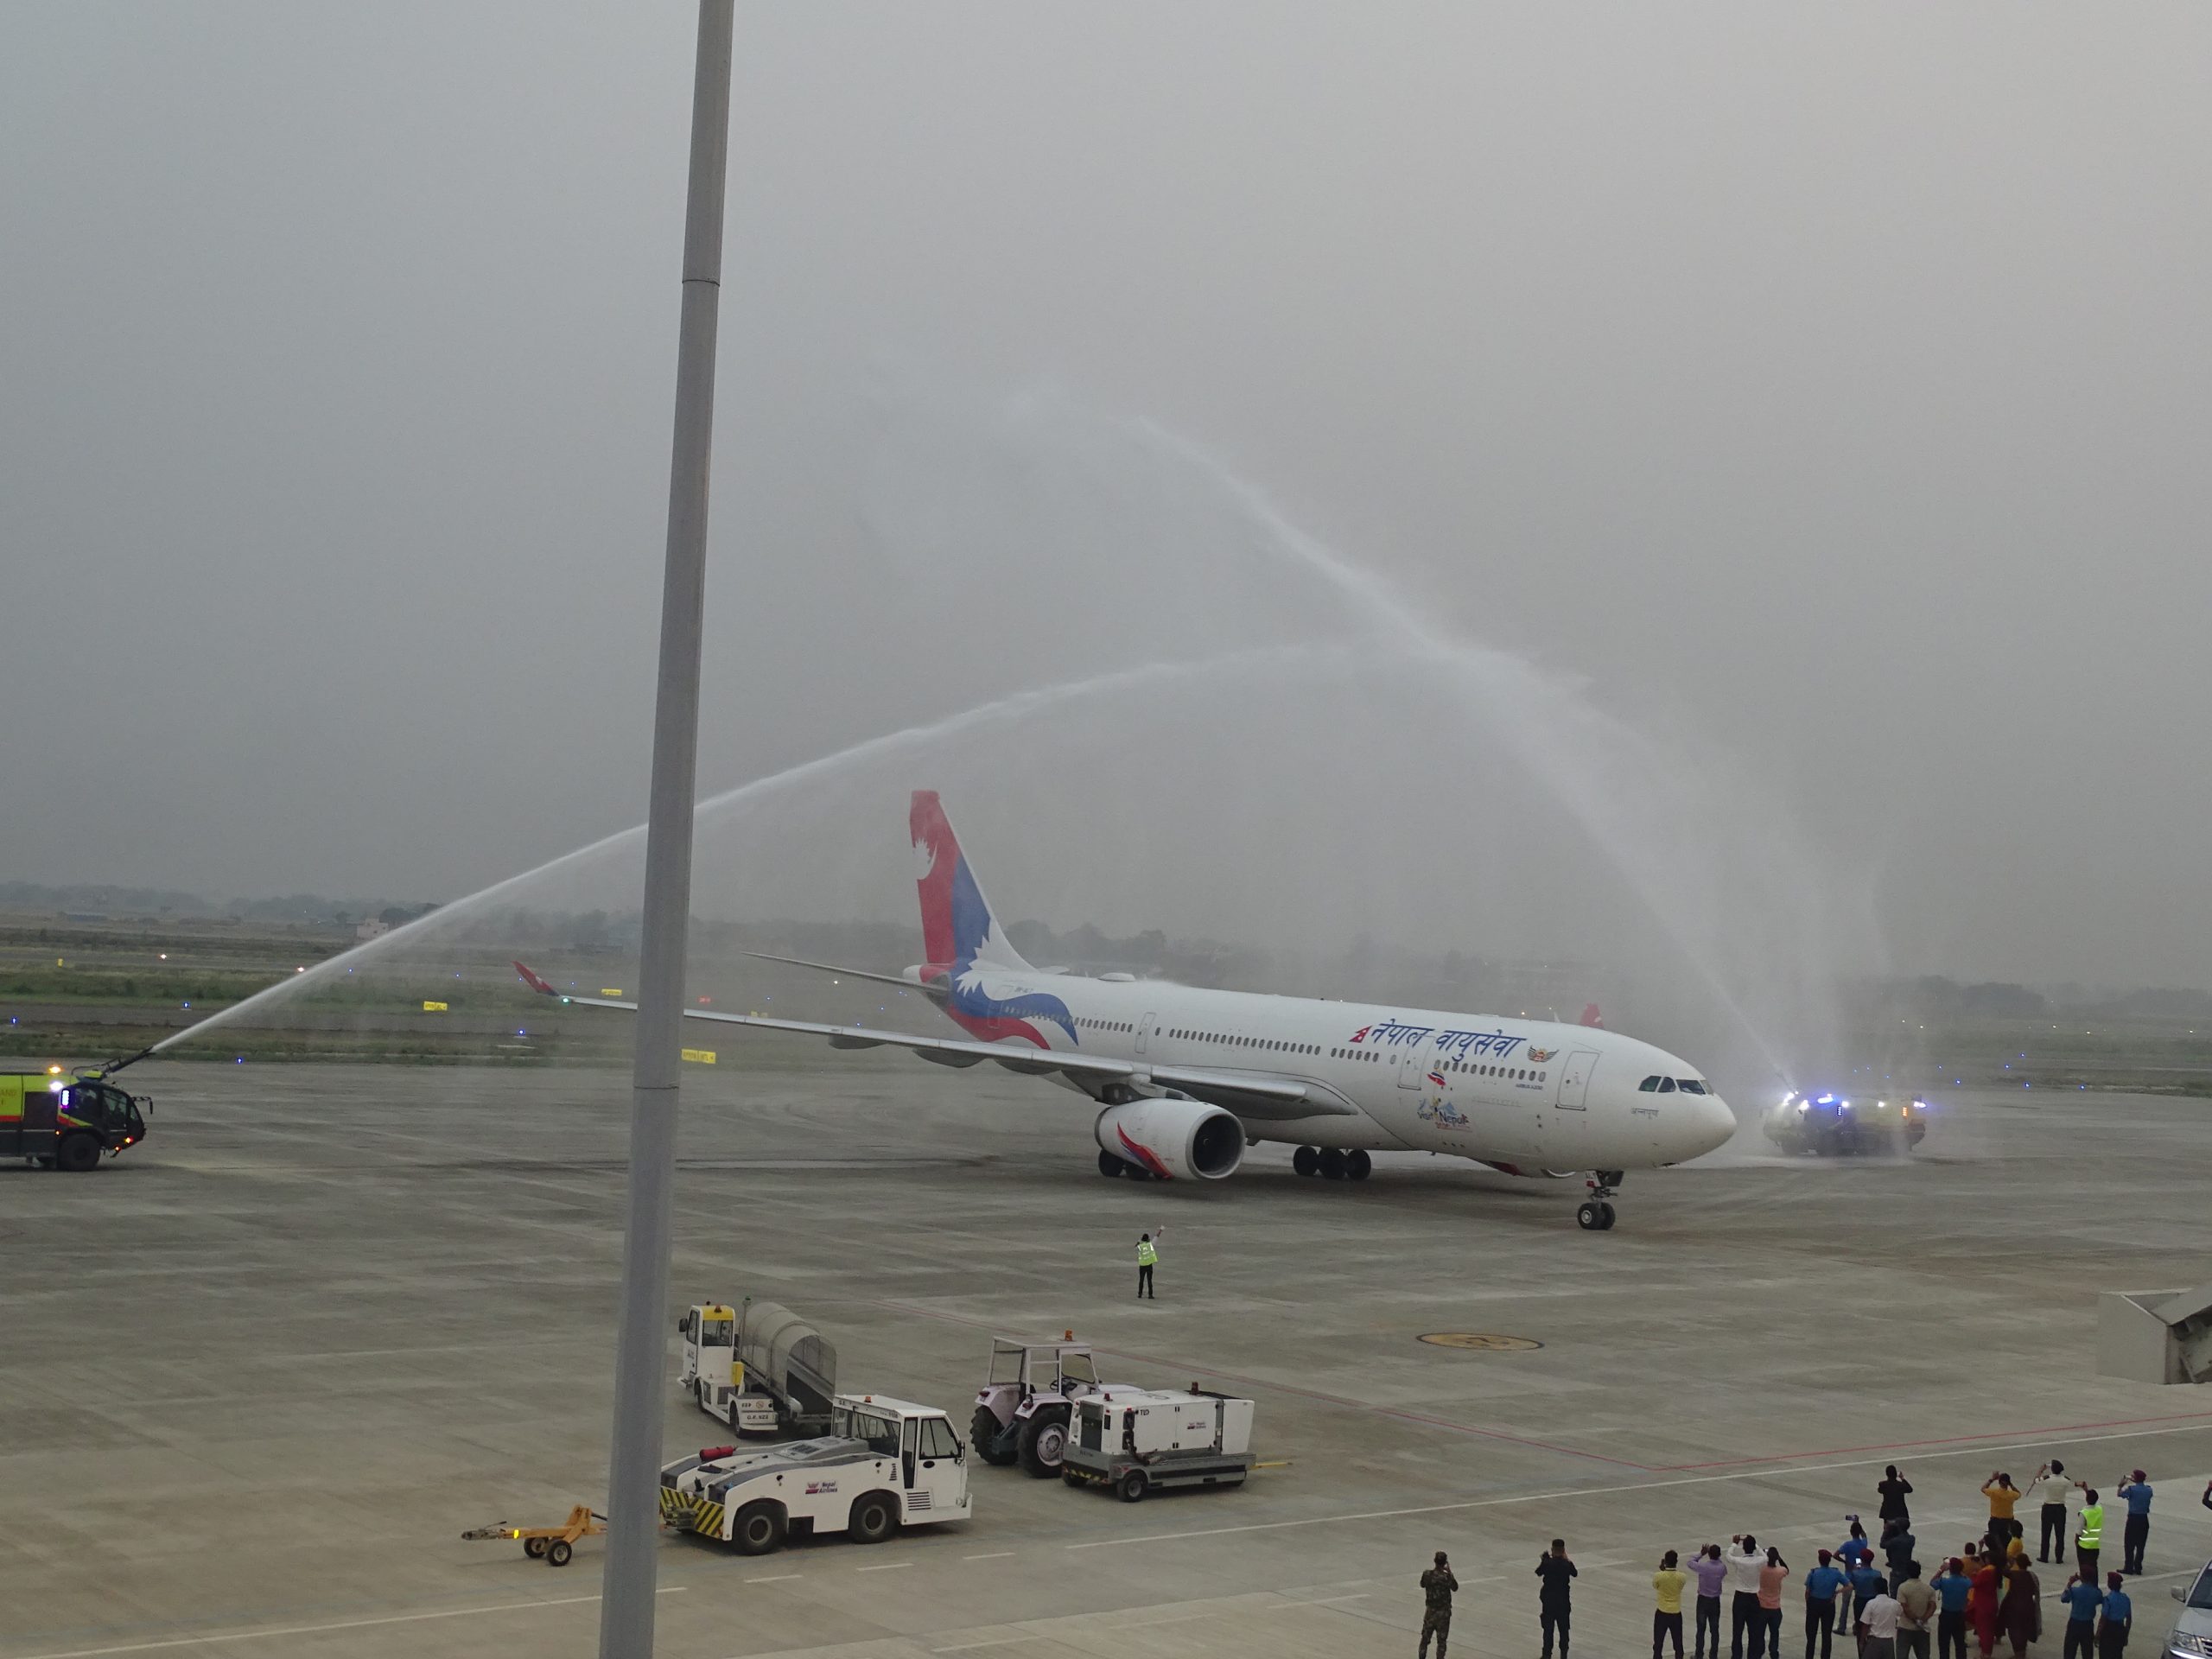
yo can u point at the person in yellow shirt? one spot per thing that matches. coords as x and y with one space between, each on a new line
1667 1584
2003 1495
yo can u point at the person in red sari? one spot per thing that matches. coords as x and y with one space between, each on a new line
1983 1605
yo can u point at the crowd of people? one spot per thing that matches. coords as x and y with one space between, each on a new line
1877 1591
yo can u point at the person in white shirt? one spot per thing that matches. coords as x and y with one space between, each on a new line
1879 1617
1743 1611
2050 1488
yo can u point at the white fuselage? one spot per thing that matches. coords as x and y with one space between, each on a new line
1533 1096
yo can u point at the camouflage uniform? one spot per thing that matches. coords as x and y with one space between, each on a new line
1437 1584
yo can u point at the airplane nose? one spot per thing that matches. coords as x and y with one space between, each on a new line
1710 1124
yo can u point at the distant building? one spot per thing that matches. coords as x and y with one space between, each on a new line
373 928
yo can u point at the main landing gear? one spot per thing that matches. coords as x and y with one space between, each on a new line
1596 1216
1332 1165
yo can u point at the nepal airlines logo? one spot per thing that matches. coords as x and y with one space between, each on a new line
962 941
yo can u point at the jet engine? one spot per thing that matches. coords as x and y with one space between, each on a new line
1171 1137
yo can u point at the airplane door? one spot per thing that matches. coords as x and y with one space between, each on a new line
1574 1079
1413 1070
1144 1031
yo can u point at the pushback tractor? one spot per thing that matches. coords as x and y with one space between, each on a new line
885 1464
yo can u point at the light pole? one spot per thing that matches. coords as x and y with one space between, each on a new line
625 1612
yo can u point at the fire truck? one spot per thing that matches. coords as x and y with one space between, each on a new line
60 1120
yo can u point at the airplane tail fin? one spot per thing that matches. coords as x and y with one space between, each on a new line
1592 1017
959 927
534 981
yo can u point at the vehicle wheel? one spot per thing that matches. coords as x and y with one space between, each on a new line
1111 1164
875 1517
534 1547
983 1432
1332 1164
1305 1161
758 1527
1043 1443
1592 1217
558 1551
1605 1217
77 1153
1132 1487
1357 1165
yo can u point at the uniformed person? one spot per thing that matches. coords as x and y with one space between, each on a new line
2090 1539
1147 1256
1436 1587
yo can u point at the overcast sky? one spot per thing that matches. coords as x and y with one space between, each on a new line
1822 390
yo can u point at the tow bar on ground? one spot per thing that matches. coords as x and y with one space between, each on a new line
554 1544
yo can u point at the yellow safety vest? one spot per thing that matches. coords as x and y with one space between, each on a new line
2093 1527
1145 1255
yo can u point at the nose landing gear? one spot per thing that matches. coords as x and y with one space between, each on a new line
1595 1215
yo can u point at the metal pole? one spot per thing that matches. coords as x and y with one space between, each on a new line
625 1613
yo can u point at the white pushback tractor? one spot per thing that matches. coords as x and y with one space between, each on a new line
759 1368
1137 1440
885 1464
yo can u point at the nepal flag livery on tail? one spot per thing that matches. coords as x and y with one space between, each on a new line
963 942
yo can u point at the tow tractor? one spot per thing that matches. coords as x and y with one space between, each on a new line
65 1120
759 1368
1024 1407
1137 1440
886 1464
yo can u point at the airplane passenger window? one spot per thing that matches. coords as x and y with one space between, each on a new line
1666 1085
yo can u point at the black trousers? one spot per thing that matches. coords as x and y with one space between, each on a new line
1912 1645
2111 1641
2081 1637
1745 1613
1555 1619
1951 1633
1819 1618
1772 1616
2131 1540
1144 1281
2085 1562
2053 1547
1664 1624
1708 1618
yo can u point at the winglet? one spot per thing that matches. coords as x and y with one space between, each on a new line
534 981
1590 1015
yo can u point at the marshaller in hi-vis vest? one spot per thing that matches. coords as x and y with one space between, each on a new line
1148 1258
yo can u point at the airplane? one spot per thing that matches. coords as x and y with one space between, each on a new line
1186 1078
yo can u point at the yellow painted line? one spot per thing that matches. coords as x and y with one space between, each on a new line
346 1625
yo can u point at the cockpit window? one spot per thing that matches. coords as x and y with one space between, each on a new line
1649 1085
1666 1085
1689 1085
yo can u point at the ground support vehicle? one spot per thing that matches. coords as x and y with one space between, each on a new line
886 1464
2192 1632
552 1545
59 1120
1137 1440
1023 1409
759 1368
1830 1125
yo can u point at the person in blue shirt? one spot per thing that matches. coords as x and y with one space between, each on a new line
1853 1550
2119 1620
2082 1598
1867 1581
1821 1586
2135 1492
1952 1587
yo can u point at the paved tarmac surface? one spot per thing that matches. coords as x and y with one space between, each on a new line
257 1374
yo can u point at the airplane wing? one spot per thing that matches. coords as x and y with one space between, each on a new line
898 979
1255 1096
